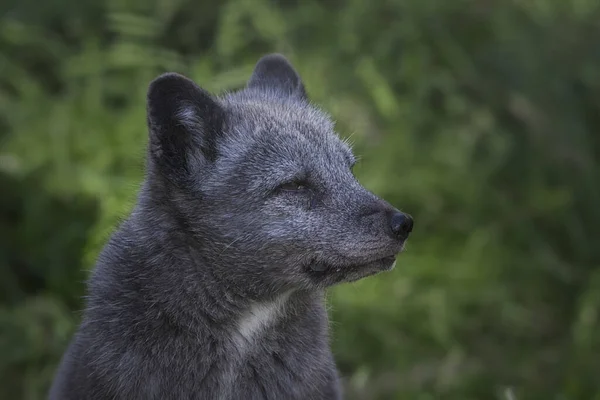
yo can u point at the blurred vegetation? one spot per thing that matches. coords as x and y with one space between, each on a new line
479 117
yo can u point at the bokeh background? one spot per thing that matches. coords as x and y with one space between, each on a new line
478 117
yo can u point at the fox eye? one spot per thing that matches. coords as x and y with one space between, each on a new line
294 186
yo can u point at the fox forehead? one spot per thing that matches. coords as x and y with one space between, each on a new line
287 126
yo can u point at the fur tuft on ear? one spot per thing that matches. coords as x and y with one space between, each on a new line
184 123
274 72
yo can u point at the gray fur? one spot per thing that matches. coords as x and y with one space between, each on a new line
213 287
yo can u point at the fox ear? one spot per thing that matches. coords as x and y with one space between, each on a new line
184 123
274 72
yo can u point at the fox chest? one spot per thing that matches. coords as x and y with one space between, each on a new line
270 356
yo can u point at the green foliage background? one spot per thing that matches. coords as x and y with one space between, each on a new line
478 117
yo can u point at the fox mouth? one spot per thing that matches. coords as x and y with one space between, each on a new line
381 264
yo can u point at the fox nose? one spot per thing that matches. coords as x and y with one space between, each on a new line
401 225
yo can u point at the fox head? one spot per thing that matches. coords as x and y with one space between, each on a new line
262 185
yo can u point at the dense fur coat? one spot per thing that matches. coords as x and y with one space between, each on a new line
213 287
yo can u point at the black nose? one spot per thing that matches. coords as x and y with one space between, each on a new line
401 225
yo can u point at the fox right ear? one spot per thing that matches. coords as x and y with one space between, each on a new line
184 123
274 72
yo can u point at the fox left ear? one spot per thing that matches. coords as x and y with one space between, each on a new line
274 72
184 123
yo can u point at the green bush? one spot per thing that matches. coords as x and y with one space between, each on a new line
479 118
